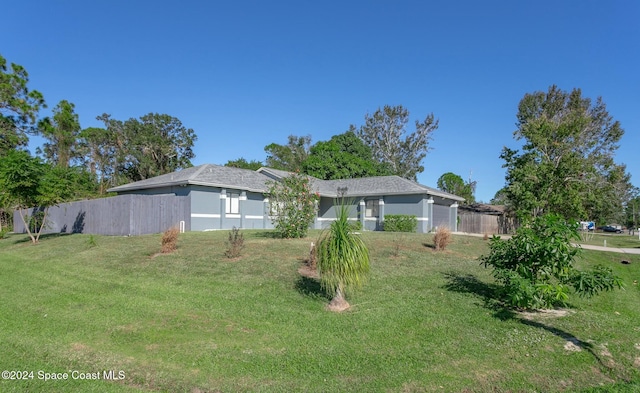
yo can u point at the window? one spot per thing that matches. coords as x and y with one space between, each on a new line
372 208
233 203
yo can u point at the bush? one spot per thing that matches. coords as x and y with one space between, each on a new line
442 238
292 205
3 233
170 240
235 243
400 223
536 268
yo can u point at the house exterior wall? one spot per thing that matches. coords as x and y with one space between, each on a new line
208 209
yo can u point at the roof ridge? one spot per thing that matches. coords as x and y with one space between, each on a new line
198 172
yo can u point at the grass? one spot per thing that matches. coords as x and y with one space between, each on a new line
613 240
196 321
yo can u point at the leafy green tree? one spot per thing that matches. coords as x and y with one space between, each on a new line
19 107
288 157
293 205
536 266
385 132
632 212
566 165
344 156
98 155
453 184
63 134
343 259
140 149
26 182
242 163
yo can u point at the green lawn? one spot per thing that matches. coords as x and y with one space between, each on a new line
613 239
195 321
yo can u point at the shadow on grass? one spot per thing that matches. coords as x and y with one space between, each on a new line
490 296
266 234
428 245
311 287
45 236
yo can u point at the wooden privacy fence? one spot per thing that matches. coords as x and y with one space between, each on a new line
119 215
484 223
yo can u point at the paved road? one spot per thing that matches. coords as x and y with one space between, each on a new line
585 246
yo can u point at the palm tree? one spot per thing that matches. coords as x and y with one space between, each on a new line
343 259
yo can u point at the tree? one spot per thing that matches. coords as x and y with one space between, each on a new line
566 165
139 149
632 211
63 133
453 184
293 205
98 152
344 156
536 266
343 259
26 182
385 132
19 106
288 157
242 163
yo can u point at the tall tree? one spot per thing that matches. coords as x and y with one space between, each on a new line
158 144
139 149
288 157
344 156
62 132
19 106
242 163
566 165
453 184
385 132
98 151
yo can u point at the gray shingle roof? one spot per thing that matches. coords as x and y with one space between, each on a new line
256 181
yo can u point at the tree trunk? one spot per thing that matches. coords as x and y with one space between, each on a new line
338 303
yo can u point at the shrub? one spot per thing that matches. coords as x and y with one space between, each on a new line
235 243
442 238
485 237
292 205
355 225
400 223
536 268
343 260
169 240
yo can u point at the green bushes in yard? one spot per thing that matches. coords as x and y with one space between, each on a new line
536 266
400 223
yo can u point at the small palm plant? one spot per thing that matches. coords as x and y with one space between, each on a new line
343 259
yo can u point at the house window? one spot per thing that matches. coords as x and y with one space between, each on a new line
372 208
233 203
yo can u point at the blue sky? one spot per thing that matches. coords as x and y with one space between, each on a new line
244 74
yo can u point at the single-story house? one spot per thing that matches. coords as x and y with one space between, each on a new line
223 197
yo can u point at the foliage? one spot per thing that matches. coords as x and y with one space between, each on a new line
453 184
385 132
632 212
242 163
343 257
566 165
62 132
442 238
99 155
288 157
292 205
344 156
235 243
26 182
19 106
139 149
400 223
170 240
91 242
536 266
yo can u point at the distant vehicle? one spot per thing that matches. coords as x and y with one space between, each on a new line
609 228
587 225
